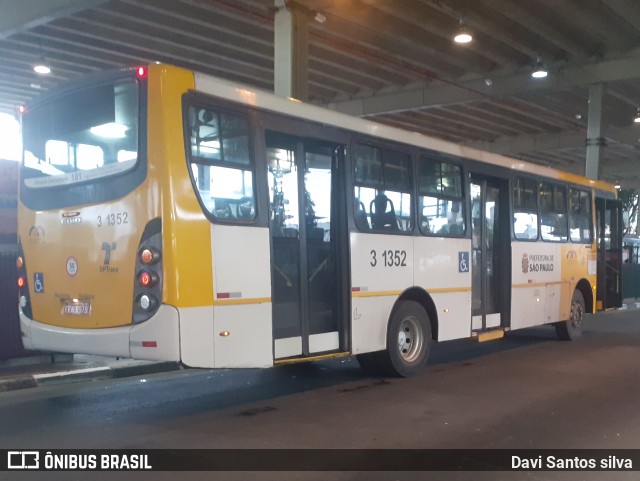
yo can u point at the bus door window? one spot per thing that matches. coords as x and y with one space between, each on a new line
476 257
489 244
493 268
610 252
320 232
284 221
305 293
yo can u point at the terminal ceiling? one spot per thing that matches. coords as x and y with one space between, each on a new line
392 61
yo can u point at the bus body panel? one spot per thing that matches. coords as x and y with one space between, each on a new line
157 339
544 276
385 266
535 271
196 336
381 268
249 342
85 253
443 269
185 232
242 291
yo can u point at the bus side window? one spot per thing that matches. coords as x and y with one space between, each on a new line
440 198
222 163
525 209
383 190
553 212
580 229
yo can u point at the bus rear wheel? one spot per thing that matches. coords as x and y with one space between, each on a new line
571 329
408 343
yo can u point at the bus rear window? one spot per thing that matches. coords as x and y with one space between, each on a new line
87 135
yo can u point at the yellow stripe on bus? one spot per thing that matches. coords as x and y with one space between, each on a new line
235 302
537 284
449 289
311 358
397 293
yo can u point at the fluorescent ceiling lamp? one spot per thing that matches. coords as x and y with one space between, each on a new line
110 130
637 118
42 68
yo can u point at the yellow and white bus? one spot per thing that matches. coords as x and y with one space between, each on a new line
169 215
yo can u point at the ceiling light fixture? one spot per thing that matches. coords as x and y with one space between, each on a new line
463 34
637 118
617 186
42 68
540 70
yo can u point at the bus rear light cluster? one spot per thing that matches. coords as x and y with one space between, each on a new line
23 285
147 288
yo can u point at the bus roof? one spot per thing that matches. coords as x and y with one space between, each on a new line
266 100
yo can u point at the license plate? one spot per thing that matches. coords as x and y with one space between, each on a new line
76 308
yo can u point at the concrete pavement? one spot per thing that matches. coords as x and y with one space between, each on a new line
55 369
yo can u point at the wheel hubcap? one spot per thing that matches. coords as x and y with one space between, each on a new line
576 314
410 339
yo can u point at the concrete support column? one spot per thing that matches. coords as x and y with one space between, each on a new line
291 51
595 138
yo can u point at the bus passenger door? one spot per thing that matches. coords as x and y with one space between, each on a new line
609 264
490 254
305 225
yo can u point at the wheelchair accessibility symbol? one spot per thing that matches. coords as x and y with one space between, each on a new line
38 282
463 262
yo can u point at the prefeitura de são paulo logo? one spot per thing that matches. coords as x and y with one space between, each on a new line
525 263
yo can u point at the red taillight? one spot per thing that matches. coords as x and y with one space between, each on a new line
21 282
142 72
145 279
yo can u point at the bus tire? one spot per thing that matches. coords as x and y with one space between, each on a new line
408 343
571 329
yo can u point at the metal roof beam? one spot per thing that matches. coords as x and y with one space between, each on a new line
18 15
474 90
571 139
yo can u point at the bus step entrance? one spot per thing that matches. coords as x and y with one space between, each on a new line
489 334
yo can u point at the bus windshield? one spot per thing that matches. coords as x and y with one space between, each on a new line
86 135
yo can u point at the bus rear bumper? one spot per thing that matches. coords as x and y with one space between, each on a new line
157 339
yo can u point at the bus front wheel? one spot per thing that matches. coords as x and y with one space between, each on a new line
571 329
408 343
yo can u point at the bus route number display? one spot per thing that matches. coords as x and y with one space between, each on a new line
388 258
